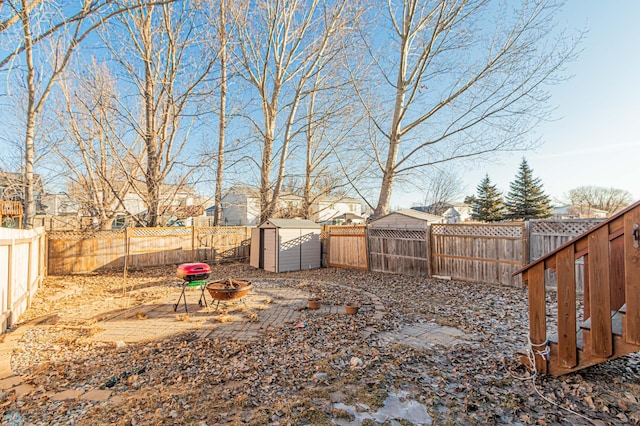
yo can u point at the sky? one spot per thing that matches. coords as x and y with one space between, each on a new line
594 138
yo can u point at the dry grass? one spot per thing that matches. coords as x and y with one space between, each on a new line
183 318
252 316
224 317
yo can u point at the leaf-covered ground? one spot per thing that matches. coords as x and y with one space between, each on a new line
301 375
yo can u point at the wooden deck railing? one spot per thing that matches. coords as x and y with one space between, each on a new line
610 326
10 208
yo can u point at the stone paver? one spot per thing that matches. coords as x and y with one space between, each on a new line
158 319
96 395
425 336
277 307
67 394
23 389
10 382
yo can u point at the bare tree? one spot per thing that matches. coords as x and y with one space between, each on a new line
159 48
463 79
595 197
59 29
441 187
94 155
282 45
330 134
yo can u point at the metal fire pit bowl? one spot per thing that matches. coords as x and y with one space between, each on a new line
228 289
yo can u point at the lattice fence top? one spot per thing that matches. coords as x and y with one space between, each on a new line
404 234
347 230
160 232
478 230
563 227
84 235
222 230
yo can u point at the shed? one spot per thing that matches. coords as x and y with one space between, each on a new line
405 219
281 245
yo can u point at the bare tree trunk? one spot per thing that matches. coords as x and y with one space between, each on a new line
266 205
29 150
217 218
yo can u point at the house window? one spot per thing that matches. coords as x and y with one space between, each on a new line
352 208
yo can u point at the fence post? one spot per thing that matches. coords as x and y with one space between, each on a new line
126 251
29 269
366 245
9 283
193 242
427 236
526 242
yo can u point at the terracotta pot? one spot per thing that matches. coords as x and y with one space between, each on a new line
351 308
314 303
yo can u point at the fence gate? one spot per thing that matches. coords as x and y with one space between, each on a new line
478 252
348 246
399 251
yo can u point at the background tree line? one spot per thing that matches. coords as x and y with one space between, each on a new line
321 97
526 199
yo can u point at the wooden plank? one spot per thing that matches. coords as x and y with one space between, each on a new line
537 315
567 350
616 273
600 293
632 277
586 295
480 259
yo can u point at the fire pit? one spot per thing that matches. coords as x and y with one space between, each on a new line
228 289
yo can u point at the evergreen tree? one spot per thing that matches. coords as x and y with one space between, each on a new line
488 205
526 199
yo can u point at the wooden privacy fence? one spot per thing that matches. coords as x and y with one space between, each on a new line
479 252
400 251
73 252
547 235
347 246
488 253
21 271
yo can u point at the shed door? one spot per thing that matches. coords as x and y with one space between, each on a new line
254 257
270 250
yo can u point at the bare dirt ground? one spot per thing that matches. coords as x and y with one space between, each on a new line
303 375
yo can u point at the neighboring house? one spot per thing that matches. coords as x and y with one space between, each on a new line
178 202
59 204
348 219
454 212
241 206
578 212
406 219
326 208
12 188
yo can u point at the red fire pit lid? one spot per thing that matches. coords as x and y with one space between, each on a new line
188 269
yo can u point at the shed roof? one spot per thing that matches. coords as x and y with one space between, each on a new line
290 223
415 214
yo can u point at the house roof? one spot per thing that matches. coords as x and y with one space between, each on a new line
571 209
336 199
290 223
415 214
347 216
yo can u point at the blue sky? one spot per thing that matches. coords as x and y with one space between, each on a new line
595 137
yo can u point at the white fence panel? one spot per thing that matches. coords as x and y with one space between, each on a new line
21 271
